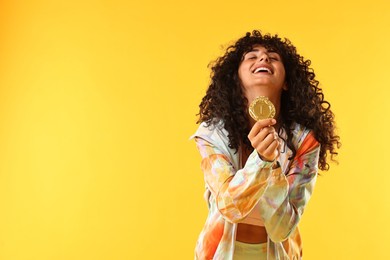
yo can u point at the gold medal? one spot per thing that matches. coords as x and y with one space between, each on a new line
261 108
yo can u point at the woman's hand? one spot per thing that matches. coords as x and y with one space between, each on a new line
264 139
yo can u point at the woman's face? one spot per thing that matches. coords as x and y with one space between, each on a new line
262 70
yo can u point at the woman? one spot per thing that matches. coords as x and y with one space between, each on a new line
260 174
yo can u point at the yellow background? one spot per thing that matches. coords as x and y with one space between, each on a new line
98 99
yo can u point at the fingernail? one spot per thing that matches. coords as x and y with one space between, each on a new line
273 121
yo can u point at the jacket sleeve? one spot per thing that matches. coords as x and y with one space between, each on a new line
283 202
236 191
282 197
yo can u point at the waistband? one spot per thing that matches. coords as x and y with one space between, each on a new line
250 248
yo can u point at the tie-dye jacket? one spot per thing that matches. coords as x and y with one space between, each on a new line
233 190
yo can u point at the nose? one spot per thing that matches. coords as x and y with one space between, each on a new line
264 57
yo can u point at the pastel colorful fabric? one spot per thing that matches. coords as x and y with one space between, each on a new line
233 190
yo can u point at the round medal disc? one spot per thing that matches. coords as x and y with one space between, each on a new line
261 108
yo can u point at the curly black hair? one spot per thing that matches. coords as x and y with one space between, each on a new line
303 102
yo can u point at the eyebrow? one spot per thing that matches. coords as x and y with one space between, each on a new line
257 50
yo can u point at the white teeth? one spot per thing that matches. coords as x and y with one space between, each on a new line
262 69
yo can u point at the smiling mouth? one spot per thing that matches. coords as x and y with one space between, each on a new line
262 70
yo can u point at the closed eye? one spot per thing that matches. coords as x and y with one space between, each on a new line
251 57
274 56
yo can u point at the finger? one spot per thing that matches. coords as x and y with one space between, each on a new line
263 145
266 143
262 140
255 140
260 125
266 131
272 151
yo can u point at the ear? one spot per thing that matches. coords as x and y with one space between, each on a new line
285 87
